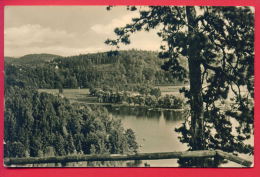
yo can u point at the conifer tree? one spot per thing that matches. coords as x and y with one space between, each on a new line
218 44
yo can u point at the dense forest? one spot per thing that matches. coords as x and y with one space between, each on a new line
40 124
123 70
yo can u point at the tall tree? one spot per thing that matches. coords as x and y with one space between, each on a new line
218 43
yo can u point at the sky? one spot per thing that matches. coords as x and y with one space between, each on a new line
68 30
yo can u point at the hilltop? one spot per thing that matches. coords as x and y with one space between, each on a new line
31 59
122 70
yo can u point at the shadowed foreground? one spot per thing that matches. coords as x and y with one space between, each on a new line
119 157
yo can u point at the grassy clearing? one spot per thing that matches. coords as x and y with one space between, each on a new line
171 90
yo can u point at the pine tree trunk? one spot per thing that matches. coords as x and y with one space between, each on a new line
196 101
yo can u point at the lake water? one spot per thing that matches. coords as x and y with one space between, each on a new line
155 131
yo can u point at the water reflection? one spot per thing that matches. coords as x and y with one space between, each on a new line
133 111
154 129
143 112
155 132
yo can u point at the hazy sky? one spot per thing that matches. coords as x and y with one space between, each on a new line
65 30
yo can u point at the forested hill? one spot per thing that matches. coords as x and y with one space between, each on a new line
40 124
31 59
124 69
43 125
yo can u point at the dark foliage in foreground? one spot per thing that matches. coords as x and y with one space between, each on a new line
40 124
218 44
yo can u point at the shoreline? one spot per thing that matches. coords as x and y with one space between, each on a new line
137 106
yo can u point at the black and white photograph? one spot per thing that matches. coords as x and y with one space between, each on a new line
129 86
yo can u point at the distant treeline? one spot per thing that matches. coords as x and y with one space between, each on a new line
122 70
31 59
152 99
40 124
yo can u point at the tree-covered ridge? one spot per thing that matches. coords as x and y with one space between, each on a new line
121 70
40 124
31 59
